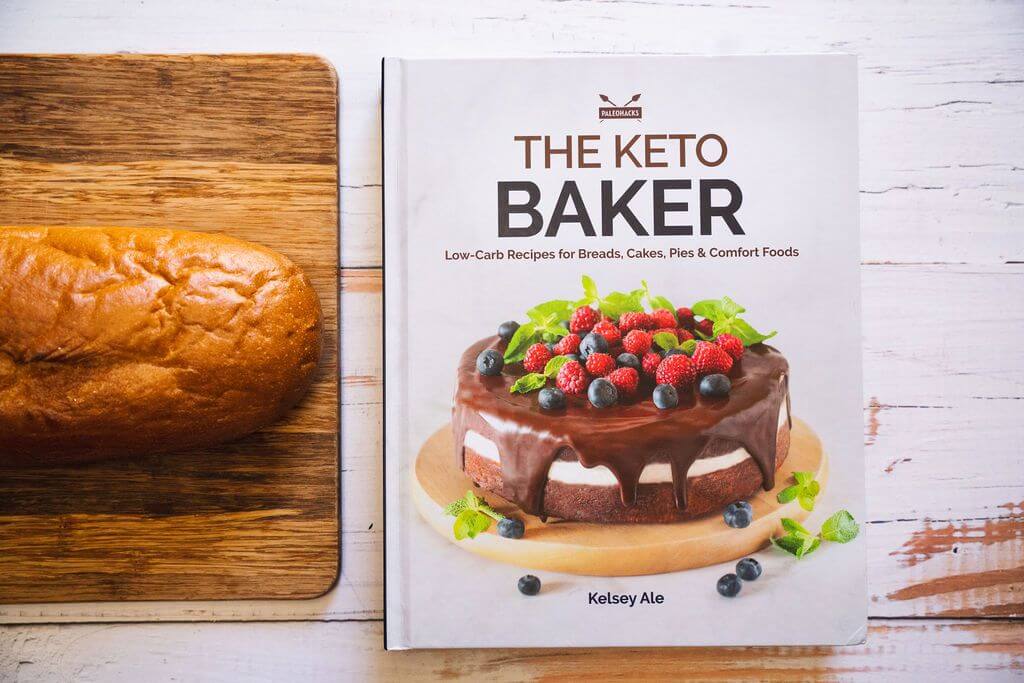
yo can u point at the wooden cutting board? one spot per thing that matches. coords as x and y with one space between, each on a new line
612 549
245 145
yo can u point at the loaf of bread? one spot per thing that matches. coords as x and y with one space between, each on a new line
118 342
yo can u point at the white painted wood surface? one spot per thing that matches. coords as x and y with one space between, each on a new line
942 213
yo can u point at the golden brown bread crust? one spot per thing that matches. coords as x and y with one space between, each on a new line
119 341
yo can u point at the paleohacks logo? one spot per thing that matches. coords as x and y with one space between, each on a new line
620 111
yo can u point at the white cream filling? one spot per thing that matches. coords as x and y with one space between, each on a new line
572 472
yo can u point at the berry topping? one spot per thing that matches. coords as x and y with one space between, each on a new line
608 330
706 327
731 345
507 329
738 515
650 362
685 317
530 585
635 321
551 398
583 320
665 396
593 343
625 380
628 360
709 359
572 379
664 318
729 585
511 528
748 569
537 356
715 386
602 393
570 343
599 364
489 362
675 370
637 342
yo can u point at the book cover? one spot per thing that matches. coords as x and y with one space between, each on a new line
622 352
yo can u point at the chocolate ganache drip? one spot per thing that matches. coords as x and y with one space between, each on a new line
624 438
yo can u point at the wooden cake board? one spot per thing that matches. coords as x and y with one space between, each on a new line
611 549
245 145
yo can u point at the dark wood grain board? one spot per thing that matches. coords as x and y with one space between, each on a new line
240 144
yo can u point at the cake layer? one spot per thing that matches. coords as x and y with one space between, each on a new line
655 503
572 472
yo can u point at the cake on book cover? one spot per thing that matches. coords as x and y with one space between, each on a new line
582 419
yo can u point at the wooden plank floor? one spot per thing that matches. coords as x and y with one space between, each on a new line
942 213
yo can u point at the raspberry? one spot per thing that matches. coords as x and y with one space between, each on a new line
663 318
610 333
625 380
537 356
572 379
583 319
685 316
683 335
570 343
650 363
599 364
709 359
637 342
706 327
676 370
635 321
731 345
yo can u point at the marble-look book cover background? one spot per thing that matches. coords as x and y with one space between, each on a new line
450 129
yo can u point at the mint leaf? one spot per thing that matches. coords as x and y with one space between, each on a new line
520 341
803 478
807 501
794 527
840 528
589 289
791 544
469 524
555 311
814 488
746 333
789 493
454 508
666 340
554 365
808 546
689 346
527 383
617 303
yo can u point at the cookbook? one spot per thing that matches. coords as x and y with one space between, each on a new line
622 352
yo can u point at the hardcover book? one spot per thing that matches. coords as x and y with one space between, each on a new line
622 352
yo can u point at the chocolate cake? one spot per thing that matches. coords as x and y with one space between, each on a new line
631 461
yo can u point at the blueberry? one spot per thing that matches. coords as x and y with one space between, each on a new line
490 362
551 398
628 360
593 343
551 347
738 515
507 329
665 396
529 585
511 528
674 352
602 393
715 386
748 569
729 585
